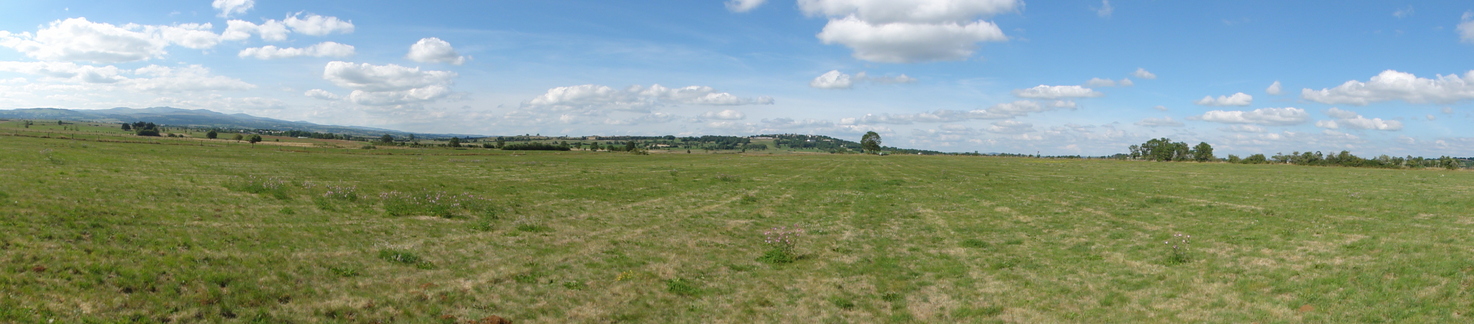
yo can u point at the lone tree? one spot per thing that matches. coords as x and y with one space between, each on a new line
127 127
629 146
454 142
254 139
386 139
238 137
212 134
1203 152
870 142
500 142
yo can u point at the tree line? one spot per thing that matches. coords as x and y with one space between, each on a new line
1164 149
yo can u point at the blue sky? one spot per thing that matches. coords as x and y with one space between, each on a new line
1060 77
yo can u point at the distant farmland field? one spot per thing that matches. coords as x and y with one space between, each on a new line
193 230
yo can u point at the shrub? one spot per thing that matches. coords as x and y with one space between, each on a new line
534 146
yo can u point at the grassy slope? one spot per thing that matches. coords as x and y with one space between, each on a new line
150 232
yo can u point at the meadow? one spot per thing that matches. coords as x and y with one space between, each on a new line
189 230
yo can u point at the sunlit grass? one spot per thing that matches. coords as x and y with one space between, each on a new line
202 231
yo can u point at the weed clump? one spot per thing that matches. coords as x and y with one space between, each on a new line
268 186
1178 254
438 204
405 258
682 287
782 242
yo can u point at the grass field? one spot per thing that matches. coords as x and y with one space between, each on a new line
214 231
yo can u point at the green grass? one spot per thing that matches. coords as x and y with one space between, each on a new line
134 232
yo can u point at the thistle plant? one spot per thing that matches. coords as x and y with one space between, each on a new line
1179 244
783 241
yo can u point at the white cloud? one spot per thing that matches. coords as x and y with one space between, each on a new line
593 98
384 85
1237 99
903 31
840 80
1056 92
1101 83
231 7
1403 12
75 78
743 5
1431 117
1105 9
1244 129
1160 107
999 111
1262 116
1159 122
434 50
832 80
903 42
1010 127
1142 73
271 30
1393 85
1341 114
725 115
1274 89
322 94
1352 120
1448 110
317 25
1466 28
77 39
324 49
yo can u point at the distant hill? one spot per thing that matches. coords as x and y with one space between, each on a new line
198 118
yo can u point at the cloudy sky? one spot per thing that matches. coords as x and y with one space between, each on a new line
1058 77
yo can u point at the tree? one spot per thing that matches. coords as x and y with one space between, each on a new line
212 134
254 139
386 139
500 142
594 147
629 146
238 137
1203 152
870 142
127 127
454 142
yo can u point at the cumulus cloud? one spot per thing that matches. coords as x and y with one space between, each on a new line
1466 27
322 94
71 77
725 115
1403 12
232 7
324 49
435 50
1143 74
1160 108
77 39
273 30
317 25
595 98
1274 89
903 31
1237 99
1105 9
1352 120
743 5
999 111
1056 92
385 85
1262 116
1159 122
1393 85
832 80
840 80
